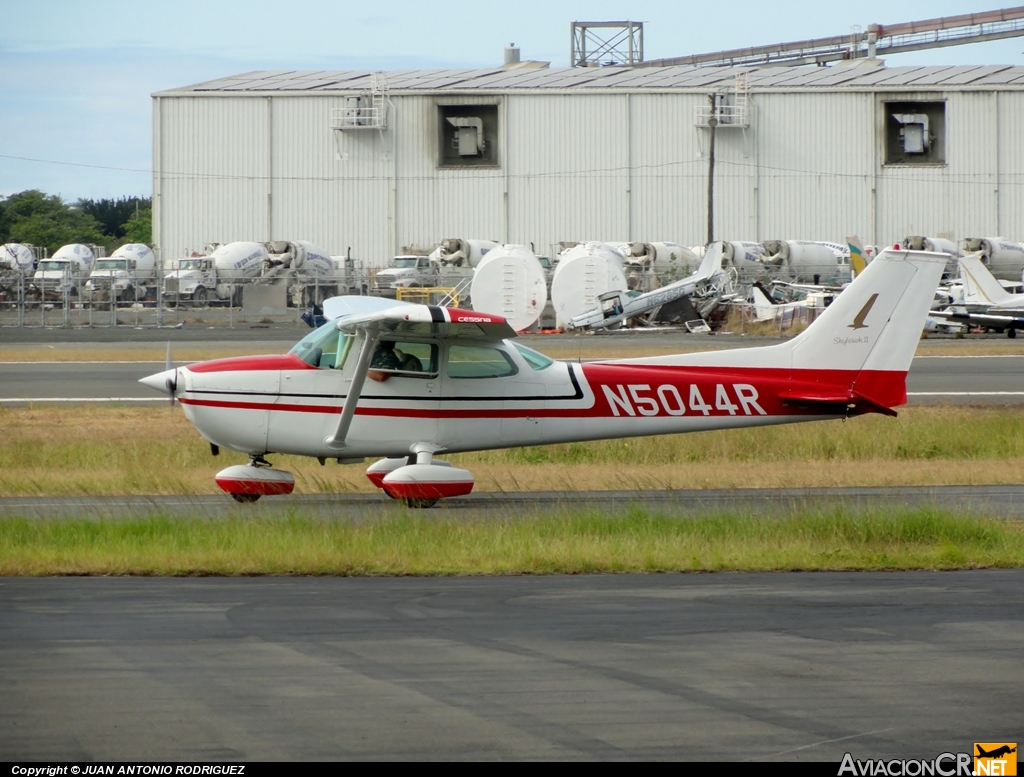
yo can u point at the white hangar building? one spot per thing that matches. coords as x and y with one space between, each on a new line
530 154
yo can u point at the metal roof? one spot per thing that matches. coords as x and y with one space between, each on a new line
531 77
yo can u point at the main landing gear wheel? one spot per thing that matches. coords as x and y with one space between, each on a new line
245 498
419 503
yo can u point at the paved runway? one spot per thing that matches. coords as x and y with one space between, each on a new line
1006 502
719 666
932 380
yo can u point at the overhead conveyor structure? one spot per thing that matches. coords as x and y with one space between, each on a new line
878 40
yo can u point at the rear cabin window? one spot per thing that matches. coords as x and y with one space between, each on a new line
472 361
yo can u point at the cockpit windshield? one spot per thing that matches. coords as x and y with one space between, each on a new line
326 347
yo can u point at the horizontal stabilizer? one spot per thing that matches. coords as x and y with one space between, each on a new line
855 402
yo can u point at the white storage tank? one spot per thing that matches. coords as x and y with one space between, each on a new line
585 272
510 281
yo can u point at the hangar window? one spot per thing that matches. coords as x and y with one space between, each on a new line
468 135
915 133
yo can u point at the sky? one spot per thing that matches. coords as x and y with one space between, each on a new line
76 77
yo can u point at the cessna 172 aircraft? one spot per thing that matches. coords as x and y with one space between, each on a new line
406 382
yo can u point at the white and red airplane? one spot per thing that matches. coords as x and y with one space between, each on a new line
406 382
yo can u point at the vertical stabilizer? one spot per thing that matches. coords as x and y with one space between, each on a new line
876 323
980 286
858 256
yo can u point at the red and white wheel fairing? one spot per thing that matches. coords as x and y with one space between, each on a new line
260 481
377 471
428 481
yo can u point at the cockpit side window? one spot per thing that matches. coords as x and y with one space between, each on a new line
410 359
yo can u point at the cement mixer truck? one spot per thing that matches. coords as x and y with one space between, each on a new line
650 265
218 275
62 274
17 262
128 275
308 271
222 273
1004 259
805 260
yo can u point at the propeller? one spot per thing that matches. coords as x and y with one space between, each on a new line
172 379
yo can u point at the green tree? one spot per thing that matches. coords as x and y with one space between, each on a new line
139 228
113 215
46 221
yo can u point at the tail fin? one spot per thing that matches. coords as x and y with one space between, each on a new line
764 304
979 284
876 323
857 353
858 256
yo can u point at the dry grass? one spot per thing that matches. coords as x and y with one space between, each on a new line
104 450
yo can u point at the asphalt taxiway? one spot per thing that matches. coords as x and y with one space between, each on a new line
740 667
1004 502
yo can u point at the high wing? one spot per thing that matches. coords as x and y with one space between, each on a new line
352 314
372 319
1008 320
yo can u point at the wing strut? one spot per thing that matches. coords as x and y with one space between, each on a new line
337 440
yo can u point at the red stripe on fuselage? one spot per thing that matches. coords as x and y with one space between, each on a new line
651 391
285 361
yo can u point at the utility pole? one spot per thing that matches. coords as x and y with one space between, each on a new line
712 123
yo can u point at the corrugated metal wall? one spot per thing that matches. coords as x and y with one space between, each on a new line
211 172
607 166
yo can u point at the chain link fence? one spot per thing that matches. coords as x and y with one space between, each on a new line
74 303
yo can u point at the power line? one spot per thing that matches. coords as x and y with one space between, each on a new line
664 170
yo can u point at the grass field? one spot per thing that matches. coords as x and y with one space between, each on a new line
97 451
578 542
